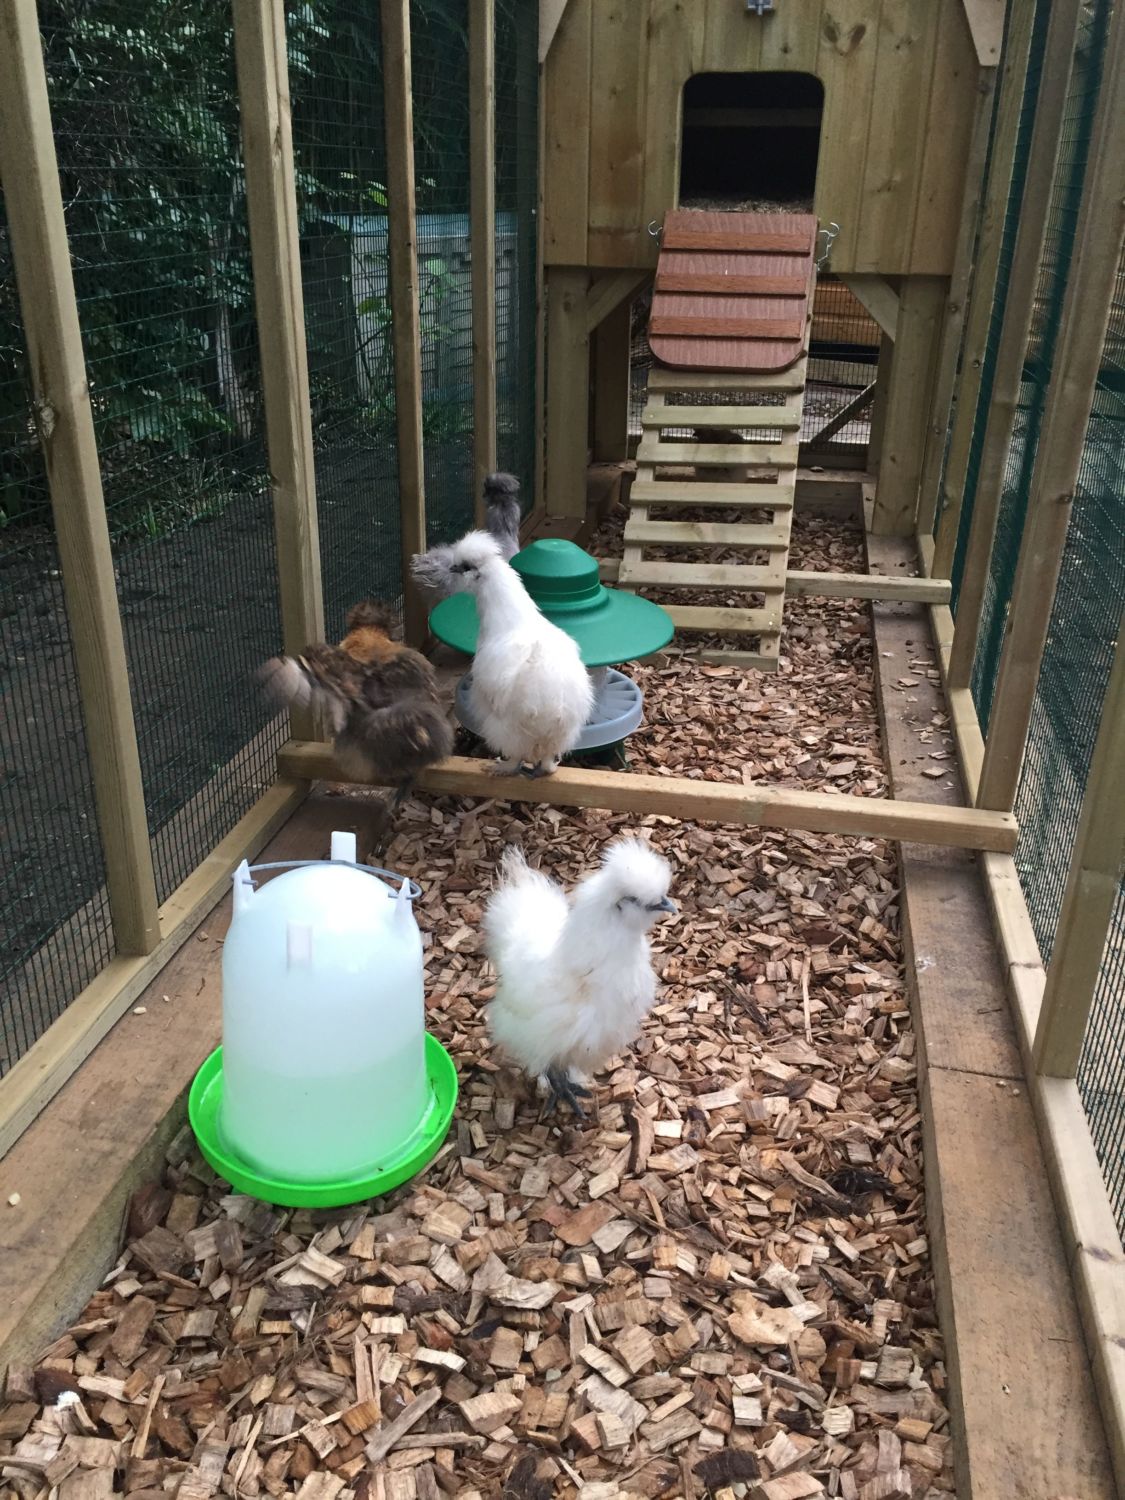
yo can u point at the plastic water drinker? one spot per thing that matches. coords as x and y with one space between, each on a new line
324 1044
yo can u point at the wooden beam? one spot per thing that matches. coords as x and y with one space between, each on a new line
978 320
482 211
844 415
1078 355
611 385
405 314
921 305
878 297
568 391
986 26
43 1070
608 290
65 424
866 586
1091 891
680 797
550 14
879 405
271 206
1019 304
956 305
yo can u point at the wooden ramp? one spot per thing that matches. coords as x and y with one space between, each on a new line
722 442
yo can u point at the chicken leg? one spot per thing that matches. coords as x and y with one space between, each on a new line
563 1088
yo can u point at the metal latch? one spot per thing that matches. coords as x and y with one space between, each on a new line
759 7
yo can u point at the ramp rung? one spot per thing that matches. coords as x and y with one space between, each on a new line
783 417
702 534
718 455
713 620
703 575
712 496
793 379
765 659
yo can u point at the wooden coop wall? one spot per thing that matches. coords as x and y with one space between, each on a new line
900 81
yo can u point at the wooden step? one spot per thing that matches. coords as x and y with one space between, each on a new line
769 242
784 418
718 455
714 620
672 575
792 379
670 325
705 284
712 496
765 659
701 534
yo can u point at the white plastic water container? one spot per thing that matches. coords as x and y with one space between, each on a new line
324 1071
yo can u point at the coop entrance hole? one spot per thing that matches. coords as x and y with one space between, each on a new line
750 141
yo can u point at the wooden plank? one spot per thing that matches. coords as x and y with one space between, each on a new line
725 327
761 452
762 243
1085 315
908 398
608 291
566 159
35 1079
986 25
849 44
1015 329
675 52
722 416
956 306
398 109
568 391
482 214
978 319
947 164
763 660
711 619
878 297
65 425
713 496
700 534
612 389
700 575
731 286
866 586
618 72
792 379
682 797
1091 891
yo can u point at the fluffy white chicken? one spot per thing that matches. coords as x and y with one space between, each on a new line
529 692
575 977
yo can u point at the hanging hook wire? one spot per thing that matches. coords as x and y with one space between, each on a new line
829 234
655 228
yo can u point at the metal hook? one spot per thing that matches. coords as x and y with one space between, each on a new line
655 229
829 239
760 7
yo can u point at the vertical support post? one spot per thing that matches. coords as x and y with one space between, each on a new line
611 385
1013 74
1019 305
1091 891
61 393
1085 315
957 305
879 403
482 204
405 311
568 391
271 206
921 304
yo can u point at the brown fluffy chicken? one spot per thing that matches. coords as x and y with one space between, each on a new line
378 696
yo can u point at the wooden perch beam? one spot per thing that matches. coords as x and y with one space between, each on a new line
839 585
710 801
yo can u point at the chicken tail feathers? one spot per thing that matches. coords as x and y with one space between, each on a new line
398 740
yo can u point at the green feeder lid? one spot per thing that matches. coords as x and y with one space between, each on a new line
608 626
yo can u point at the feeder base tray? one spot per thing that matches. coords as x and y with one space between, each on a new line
204 1103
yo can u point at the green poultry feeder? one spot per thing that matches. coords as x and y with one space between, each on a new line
608 627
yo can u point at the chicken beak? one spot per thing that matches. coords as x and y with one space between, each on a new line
668 906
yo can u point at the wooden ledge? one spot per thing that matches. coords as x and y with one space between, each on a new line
709 801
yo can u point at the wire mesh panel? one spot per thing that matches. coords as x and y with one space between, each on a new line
55 927
1101 1071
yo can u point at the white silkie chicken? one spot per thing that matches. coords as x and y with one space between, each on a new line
575 977
529 692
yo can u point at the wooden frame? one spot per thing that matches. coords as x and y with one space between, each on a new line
482 207
405 312
568 392
271 203
711 801
33 198
1085 315
906 424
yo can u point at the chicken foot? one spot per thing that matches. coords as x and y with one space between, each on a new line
564 1088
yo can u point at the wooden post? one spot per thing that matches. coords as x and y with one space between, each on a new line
405 312
65 423
482 202
978 320
271 206
921 304
879 404
1091 890
956 306
1078 355
611 385
568 387
1023 280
